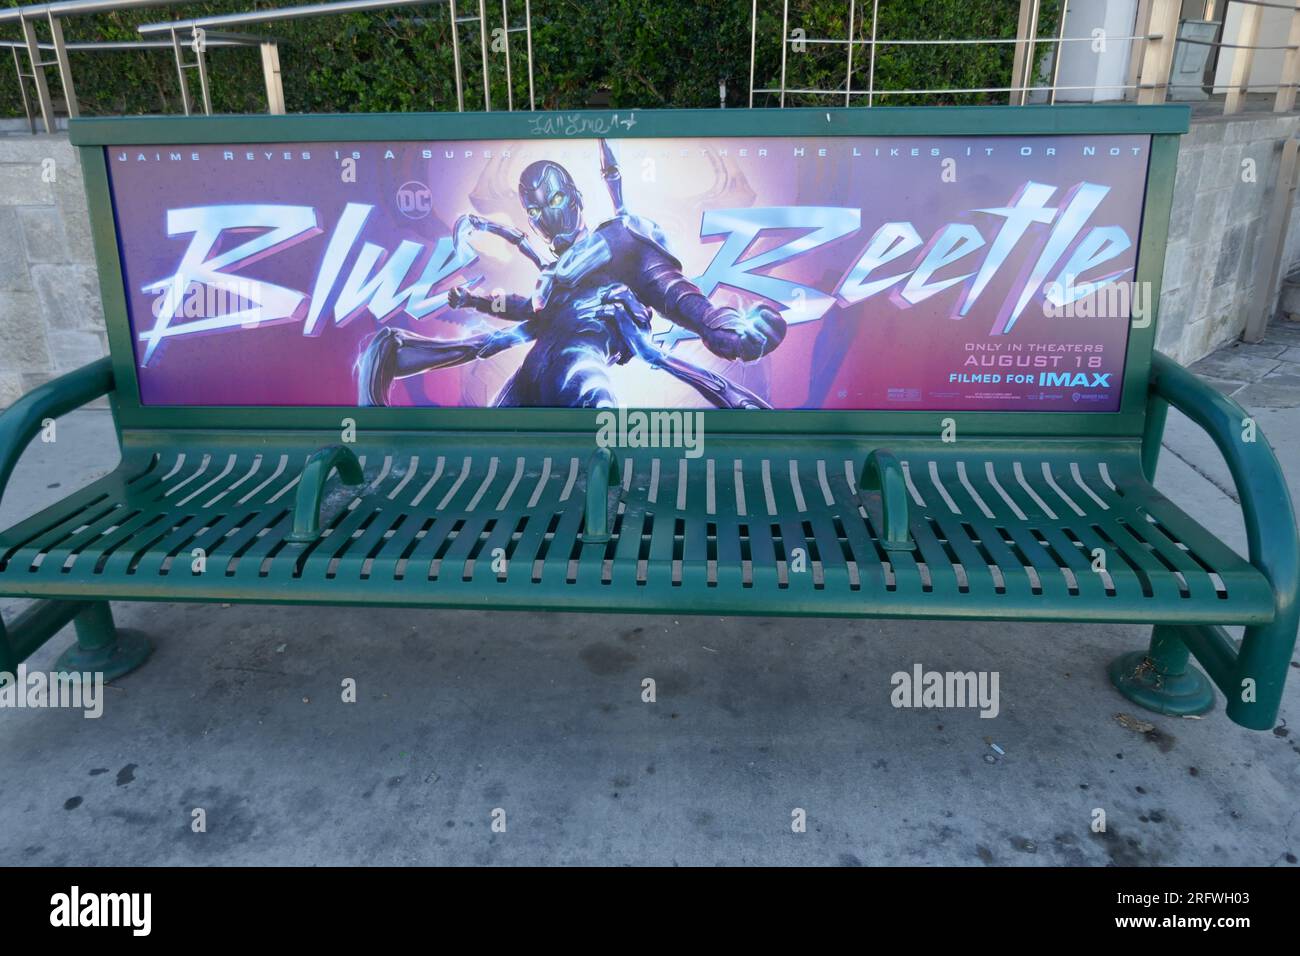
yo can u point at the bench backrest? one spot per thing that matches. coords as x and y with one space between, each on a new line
930 263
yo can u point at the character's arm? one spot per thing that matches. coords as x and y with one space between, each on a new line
515 308
466 225
659 283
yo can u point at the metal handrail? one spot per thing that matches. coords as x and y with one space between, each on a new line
75 8
198 28
228 40
174 27
968 42
26 17
1150 65
274 14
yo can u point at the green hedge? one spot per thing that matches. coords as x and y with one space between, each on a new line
622 53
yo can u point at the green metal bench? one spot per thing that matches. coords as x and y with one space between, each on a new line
1002 524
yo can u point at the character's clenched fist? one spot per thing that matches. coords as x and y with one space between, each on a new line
459 297
745 336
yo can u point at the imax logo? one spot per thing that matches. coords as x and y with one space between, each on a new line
1074 379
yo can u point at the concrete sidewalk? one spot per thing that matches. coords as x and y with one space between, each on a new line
461 713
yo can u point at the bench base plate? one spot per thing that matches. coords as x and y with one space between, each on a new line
1186 694
101 647
131 649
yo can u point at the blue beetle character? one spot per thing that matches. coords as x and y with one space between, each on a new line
591 308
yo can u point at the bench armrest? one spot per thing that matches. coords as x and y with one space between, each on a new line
311 488
602 474
883 473
1265 500
20 422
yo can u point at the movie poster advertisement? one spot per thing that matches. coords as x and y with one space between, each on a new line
869 273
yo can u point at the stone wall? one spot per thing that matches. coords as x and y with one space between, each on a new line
1216 230
51 319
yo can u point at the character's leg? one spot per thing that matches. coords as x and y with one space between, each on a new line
519 392
377 367
394 354
578 377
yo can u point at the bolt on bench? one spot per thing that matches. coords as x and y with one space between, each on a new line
372 360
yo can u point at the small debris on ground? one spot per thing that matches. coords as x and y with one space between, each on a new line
1132 723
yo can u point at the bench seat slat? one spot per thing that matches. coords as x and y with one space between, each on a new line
686 534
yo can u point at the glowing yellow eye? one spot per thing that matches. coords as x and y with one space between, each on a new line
534 212
557 200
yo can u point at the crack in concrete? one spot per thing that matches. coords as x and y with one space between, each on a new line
1230 492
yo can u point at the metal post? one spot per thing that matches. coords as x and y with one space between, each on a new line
1243 59
1141 28
1023 29
1158 54
785 44
871 71
505 38
180 74
1060 46
1284 102
528 32
38 74
1268 265
848 78
483 52
455 57
22 90
65 69
753 40
201 63
271 74
1031 68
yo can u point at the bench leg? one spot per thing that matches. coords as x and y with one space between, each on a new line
8 656
1162 678
101 646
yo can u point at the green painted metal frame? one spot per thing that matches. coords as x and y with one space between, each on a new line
130 535
884 475
1262 595
1253 676
311 488
21 637
1162 123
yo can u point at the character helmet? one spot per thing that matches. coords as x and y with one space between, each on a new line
553 202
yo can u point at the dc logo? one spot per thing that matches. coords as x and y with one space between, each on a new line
414 200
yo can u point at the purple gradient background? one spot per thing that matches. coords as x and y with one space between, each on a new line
872 355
